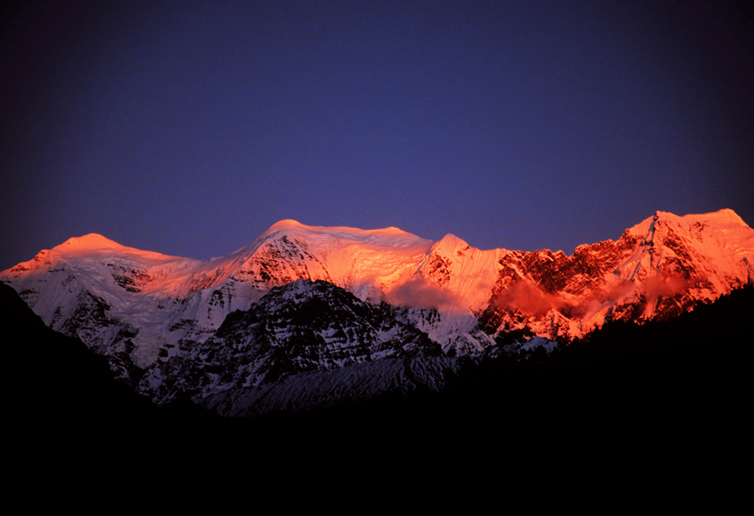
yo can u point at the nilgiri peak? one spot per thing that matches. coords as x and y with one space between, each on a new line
406 295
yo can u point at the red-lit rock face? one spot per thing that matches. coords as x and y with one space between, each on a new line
461 297
657 269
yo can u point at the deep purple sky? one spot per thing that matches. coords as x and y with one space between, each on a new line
189 128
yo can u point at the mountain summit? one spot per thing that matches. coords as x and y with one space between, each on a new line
156 316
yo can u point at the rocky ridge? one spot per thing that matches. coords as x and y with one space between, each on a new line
306 305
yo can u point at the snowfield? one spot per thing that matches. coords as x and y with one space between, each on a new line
157 317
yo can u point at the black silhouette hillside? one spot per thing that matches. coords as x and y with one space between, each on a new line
679 387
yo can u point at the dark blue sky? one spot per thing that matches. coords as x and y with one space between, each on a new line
189 128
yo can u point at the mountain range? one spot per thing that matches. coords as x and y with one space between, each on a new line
314 317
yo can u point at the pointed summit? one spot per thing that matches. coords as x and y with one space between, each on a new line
449 245
660 266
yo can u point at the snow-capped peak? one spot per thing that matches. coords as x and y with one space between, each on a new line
90 242
390 236
95 246
723 220
449 245
152 302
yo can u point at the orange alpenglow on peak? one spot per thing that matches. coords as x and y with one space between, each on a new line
96 245
90 241
710 253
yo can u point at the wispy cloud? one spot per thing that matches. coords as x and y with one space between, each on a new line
423 293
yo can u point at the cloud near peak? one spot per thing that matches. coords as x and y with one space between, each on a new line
423 293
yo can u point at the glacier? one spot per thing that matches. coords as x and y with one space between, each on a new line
159 319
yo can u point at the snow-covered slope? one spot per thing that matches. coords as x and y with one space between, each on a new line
298 328
657 269
143 309
123 300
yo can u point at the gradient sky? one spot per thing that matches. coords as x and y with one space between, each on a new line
189 127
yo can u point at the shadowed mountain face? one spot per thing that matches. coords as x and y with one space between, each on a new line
360 313
666 392
297 329
54 377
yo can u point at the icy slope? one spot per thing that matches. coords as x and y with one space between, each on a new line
365 262
298 328
113 297
131 303
137 306
657 269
